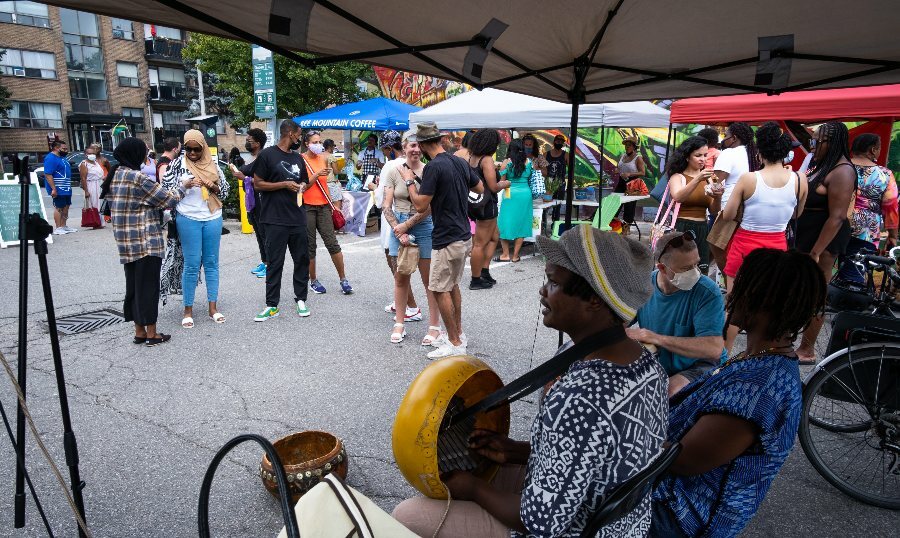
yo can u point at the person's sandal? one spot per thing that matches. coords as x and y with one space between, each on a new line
218 317
429 340
397 337
140 339
187 322
163 338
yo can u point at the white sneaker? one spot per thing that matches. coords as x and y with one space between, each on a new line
390 309
464 339
60 231
413 314
441 340
69 229
447 350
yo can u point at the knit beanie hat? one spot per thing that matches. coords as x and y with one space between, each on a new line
617 268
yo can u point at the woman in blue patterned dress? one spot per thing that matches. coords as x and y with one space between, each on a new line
737 423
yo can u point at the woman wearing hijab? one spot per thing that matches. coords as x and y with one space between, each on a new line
198 221
135 201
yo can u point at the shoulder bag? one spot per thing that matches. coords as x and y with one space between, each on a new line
663 224
337 218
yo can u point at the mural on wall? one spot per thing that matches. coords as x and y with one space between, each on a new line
413 89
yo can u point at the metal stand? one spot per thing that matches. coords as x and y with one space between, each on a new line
36 229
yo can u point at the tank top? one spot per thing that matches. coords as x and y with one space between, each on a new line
770 209
488 193
814 200
628 166
697 203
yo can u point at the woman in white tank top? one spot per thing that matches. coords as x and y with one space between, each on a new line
770 198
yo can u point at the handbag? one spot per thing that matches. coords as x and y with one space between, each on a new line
408 259
536 182
90 217
337 218
721 232
662 224
636 187
478 201
332 509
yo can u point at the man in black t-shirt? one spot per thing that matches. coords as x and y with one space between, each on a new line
280 177
446 182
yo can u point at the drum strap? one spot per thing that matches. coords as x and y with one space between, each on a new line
538 377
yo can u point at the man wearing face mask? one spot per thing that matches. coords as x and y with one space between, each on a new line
58 175
256 141
685 316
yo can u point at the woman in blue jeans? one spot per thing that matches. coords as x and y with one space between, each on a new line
409 228
199 221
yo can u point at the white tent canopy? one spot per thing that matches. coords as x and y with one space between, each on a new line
493 108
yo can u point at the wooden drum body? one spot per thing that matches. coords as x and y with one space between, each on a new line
423 447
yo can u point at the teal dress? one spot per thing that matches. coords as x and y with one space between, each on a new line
516 211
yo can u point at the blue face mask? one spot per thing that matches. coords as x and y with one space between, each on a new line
528 150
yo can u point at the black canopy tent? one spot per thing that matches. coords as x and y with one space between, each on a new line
584 51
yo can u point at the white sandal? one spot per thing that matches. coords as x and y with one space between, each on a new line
187 323
396 337
429 340
218 317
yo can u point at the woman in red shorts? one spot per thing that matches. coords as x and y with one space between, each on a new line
770 197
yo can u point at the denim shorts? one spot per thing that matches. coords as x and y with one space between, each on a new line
62 201
422 231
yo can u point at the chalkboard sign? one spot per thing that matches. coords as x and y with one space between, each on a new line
10 201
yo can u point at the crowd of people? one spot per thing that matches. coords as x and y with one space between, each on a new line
667 376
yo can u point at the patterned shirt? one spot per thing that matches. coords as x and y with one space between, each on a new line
873 195
599 425
134 203
763 390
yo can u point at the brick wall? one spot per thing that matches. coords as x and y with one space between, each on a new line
115 50
19 36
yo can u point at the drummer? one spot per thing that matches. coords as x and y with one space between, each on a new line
615 397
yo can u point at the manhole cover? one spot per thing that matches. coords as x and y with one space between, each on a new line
88 321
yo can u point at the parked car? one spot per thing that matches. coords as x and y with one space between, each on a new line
75 159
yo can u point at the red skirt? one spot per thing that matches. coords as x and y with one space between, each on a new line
744 242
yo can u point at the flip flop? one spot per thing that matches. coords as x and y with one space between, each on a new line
806 362
217 317
139 340
187 323
516 260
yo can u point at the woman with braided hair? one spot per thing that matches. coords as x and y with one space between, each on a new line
738 157
737 423
823 230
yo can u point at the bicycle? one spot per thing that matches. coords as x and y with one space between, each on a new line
850 425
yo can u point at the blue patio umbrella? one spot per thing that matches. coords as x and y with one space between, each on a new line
378 114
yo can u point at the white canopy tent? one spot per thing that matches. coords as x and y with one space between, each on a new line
493 108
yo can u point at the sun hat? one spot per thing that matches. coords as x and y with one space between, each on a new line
617 268
427 130
633 139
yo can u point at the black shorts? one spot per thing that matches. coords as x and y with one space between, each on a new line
488 211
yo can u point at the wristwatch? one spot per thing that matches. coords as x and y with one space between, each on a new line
410 182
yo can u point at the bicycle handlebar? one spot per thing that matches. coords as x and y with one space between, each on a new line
877 260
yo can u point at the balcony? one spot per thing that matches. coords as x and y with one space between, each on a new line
162 49
170 93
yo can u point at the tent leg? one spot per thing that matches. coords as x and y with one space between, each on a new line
668 149
602 159
570 180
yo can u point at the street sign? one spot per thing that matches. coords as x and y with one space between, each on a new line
263 83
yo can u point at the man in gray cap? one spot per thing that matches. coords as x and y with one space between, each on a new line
685 316
445 186
598 424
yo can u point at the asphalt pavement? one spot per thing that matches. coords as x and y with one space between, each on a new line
149 420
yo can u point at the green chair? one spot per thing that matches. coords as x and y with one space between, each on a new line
602 217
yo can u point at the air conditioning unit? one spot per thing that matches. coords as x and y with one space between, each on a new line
19 71
5 122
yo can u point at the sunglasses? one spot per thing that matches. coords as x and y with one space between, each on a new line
814 142
678 241
193 149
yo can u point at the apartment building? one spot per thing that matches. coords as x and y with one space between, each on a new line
76 75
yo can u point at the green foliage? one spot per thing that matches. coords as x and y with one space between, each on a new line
300 90
4 93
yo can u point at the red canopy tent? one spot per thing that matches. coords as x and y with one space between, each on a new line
878 105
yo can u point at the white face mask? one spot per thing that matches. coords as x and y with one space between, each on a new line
687 280
316 148
91 157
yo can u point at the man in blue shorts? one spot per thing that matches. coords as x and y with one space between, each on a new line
58 174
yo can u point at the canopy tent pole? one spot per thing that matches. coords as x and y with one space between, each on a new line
600 183
668 149
570 180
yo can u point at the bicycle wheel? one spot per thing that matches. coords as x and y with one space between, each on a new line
850 427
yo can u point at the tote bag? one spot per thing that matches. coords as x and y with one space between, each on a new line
665 220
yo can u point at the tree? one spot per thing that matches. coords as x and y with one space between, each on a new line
299 89
5 105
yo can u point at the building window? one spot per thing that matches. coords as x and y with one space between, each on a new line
220 126
81 36
135 116
35 115
122 29
168 84
88 92
27 13
26 63
128 74
168 33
